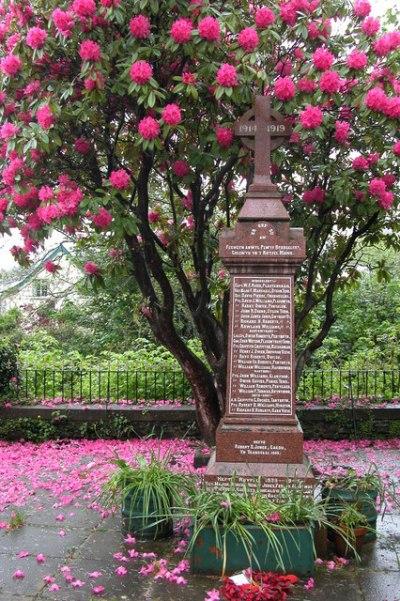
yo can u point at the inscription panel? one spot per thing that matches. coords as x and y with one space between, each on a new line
270 486
261 367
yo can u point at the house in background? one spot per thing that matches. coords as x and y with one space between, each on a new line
34 287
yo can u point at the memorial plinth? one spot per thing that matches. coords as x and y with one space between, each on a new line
259 435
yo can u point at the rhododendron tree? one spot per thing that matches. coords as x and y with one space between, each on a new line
117 120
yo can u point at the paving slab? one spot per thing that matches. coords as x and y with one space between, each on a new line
34 573
39 539
380 586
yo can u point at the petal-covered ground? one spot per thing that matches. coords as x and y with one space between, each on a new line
69 548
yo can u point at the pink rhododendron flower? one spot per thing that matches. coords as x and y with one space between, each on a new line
149 128
46 193
181 168
392 107
360 163
264 17
389 179
19 575
89 51
396 148
102 218
284 67
357 60
330 82
316 194
311 117
342 131
377 186
284 88
212 595
139 27
141 72
48 579
375 99
45 117
153 216
82 145
188 78
8 131
95 574
370 26
307 85
121 571
248 39
91 268
209 29
362 8
310 584
40 558
120 179
36 37
51 267
129 540
171 114
386 200
63 21
77 583
84 8
181 31
323 59
227 76
224 136
98 590
10 65
288 13
23 554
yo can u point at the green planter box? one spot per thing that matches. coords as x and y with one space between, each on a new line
366 501
296 544
151 527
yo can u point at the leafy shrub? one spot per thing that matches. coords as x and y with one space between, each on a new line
8 369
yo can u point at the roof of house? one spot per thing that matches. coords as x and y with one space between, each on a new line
13 285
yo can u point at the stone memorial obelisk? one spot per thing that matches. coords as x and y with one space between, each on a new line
260 436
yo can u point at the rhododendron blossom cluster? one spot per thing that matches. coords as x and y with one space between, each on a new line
113 111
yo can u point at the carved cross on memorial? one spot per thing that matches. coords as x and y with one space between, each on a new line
262 130
260 436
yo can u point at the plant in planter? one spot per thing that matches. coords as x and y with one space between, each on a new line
148 493
352 531
351 488
238 528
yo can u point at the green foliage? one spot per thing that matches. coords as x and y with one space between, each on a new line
151 484
229 512
8 369
37 429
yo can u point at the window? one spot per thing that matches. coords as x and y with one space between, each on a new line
40 289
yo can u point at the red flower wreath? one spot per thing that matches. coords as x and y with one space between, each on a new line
264 586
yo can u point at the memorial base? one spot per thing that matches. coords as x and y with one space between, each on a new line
259 443
272 477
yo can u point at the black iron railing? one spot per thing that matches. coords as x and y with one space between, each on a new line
377 384
91 386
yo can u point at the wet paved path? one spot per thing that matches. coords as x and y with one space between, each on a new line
90 541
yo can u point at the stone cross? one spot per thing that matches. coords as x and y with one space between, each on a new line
262 130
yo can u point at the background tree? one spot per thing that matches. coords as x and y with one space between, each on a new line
118 117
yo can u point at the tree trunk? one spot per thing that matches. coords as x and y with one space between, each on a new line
206 399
